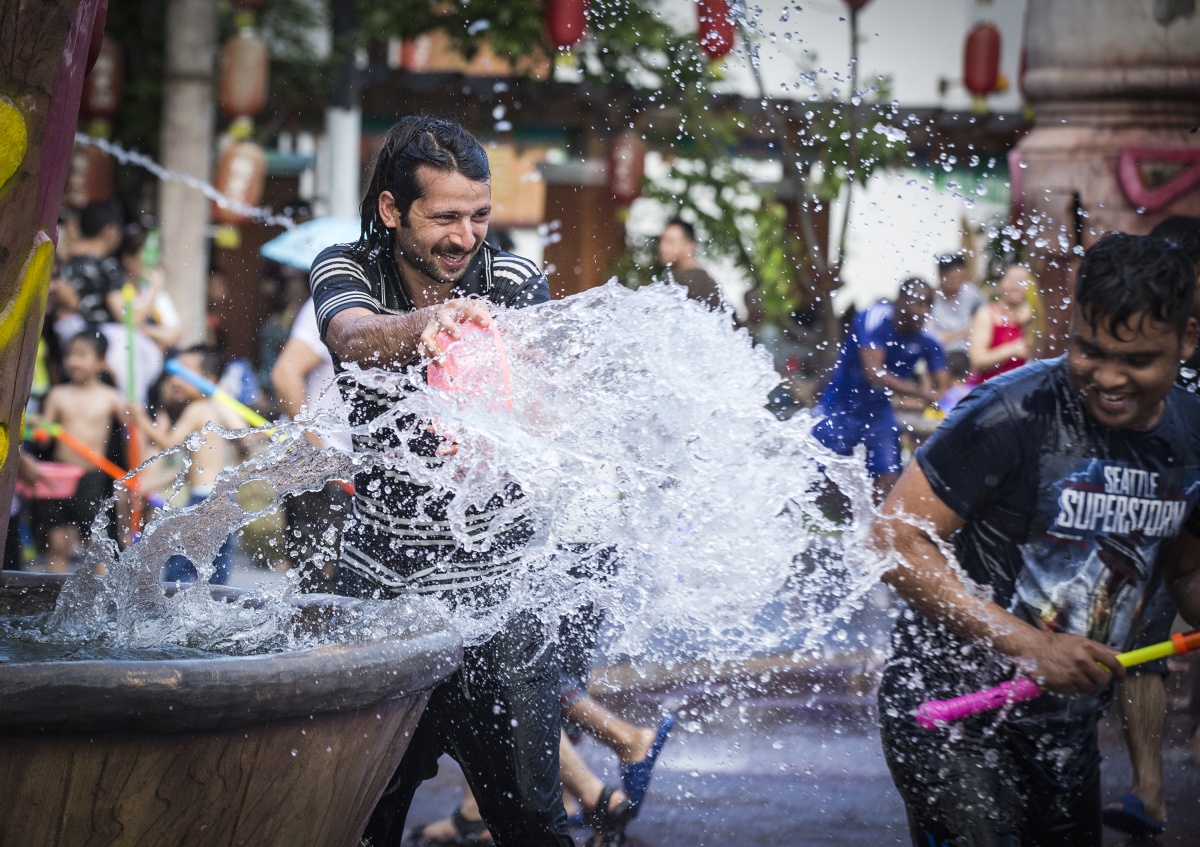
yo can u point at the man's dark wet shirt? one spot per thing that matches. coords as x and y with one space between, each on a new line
1068 523
400 538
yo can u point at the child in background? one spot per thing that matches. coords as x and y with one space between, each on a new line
213 455
958 368
85 407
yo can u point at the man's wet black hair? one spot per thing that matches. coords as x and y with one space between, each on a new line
94 217
950 260
689 230
415 140
1124 278
1183 231
94 338
911 286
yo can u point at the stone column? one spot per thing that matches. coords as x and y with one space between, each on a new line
1115 86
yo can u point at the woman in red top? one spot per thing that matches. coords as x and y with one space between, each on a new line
1000 333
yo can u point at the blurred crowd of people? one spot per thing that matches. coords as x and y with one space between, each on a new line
103 400
111 327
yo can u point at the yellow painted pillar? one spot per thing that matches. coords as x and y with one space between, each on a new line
50 46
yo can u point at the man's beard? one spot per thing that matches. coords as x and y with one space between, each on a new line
425 262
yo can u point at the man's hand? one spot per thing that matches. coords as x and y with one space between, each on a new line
1072 664
446 318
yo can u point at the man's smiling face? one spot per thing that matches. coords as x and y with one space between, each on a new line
1124 378
443 229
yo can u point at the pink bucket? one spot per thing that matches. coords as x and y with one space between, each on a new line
58 481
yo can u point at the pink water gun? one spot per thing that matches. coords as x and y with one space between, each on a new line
932 713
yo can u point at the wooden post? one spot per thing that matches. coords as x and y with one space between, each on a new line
46 48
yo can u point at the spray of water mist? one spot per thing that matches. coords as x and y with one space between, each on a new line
637 426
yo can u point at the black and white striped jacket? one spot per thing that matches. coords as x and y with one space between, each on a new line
400 538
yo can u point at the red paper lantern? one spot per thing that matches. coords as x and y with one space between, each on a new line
241 174
981 59
90 176
245 69
714 27
566 22
626 167
856 5
102 87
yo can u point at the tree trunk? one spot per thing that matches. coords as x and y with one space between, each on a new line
187 146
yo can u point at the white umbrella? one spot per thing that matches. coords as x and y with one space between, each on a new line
299 247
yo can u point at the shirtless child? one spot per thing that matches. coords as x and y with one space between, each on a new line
85 407
205 463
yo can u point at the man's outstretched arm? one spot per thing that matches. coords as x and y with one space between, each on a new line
910 520
392 341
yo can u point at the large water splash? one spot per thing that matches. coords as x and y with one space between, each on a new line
637 424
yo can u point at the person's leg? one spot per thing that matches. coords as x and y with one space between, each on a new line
956 790
1068 818
63 541
502 727
385 828
465 822
630 743
223 564
607 809
882 440
1143 701
178 569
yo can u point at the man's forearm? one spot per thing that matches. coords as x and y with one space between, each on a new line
388 341
925 579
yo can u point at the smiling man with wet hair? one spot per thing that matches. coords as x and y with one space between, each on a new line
420 267
1037 480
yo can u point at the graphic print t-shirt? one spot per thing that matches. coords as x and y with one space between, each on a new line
1068 522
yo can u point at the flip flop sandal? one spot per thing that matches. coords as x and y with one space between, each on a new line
467 833
635 778
1128 814
609 824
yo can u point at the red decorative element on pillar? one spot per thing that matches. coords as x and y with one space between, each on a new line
566 22
981 59
626 166
245 66
856 5
1153 199
103 84
241 173
714 28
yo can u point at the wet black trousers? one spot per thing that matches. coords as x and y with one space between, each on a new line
985 790
498 717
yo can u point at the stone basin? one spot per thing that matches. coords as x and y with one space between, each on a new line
287 748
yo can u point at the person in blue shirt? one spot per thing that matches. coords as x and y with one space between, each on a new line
876 361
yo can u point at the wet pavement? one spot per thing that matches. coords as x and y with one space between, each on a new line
754 769
776 753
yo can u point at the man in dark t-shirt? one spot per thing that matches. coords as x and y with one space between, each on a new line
422 267
94 272
1142 696
677 250
1067 491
